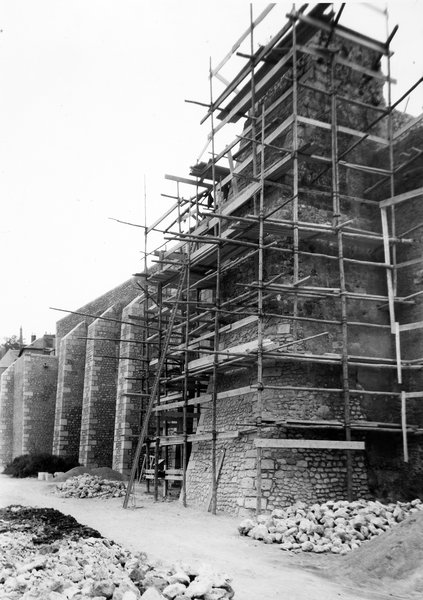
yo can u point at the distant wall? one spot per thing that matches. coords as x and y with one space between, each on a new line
129 401
122 294
7 384
34 403
100 385
70 390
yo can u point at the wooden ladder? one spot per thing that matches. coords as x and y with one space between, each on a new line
155 388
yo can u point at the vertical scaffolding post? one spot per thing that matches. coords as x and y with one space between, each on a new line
146 354
391 168
253 102
260 322
295 172
387 256
216 319
404 425
157 442
186 381
342 286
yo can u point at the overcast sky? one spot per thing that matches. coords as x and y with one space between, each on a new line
91 102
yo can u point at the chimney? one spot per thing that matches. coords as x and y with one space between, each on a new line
33 338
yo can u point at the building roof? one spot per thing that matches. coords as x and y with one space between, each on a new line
8 358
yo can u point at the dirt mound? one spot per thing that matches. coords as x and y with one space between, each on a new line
104 472
394 558
72 473
107 473
46 524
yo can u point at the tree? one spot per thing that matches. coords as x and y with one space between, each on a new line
10 343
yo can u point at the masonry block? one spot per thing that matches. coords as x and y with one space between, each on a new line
70 391
34 403
99 397
7 383
128 406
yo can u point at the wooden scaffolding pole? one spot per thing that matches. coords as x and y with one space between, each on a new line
260 325
392 170
158 417
186 381
404 425
342 284
217 232
146 348
253 106
155 391
295 246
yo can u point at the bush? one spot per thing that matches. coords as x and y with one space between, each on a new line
28 465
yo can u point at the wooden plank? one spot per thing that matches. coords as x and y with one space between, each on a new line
231 327
342 129
188 181
246 70
177 440
401 197
398 352
404 425
239 41
163 217
242 350
311 444
347 34
387 255
180 403
206 437
411 326
252 189
204 398
346 63
218 470
232 171
270 138
245 101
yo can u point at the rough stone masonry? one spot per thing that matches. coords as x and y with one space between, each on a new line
99 407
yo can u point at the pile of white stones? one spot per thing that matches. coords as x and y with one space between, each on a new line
336 527
92 568
90 486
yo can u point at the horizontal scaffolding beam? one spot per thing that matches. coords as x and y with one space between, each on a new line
308 444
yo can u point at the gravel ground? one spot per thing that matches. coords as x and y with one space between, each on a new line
166 531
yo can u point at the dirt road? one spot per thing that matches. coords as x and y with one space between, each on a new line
170 532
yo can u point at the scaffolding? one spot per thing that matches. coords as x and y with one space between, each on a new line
247 208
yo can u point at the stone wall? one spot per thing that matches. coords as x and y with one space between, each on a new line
121 294
7 383
128 402
70 390
309 475
34 403
287 475
100 386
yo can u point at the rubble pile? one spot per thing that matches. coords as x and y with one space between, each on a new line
90 486
336 527
79 568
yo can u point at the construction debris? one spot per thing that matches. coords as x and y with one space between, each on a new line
105 472
90 486
76 568
336 527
